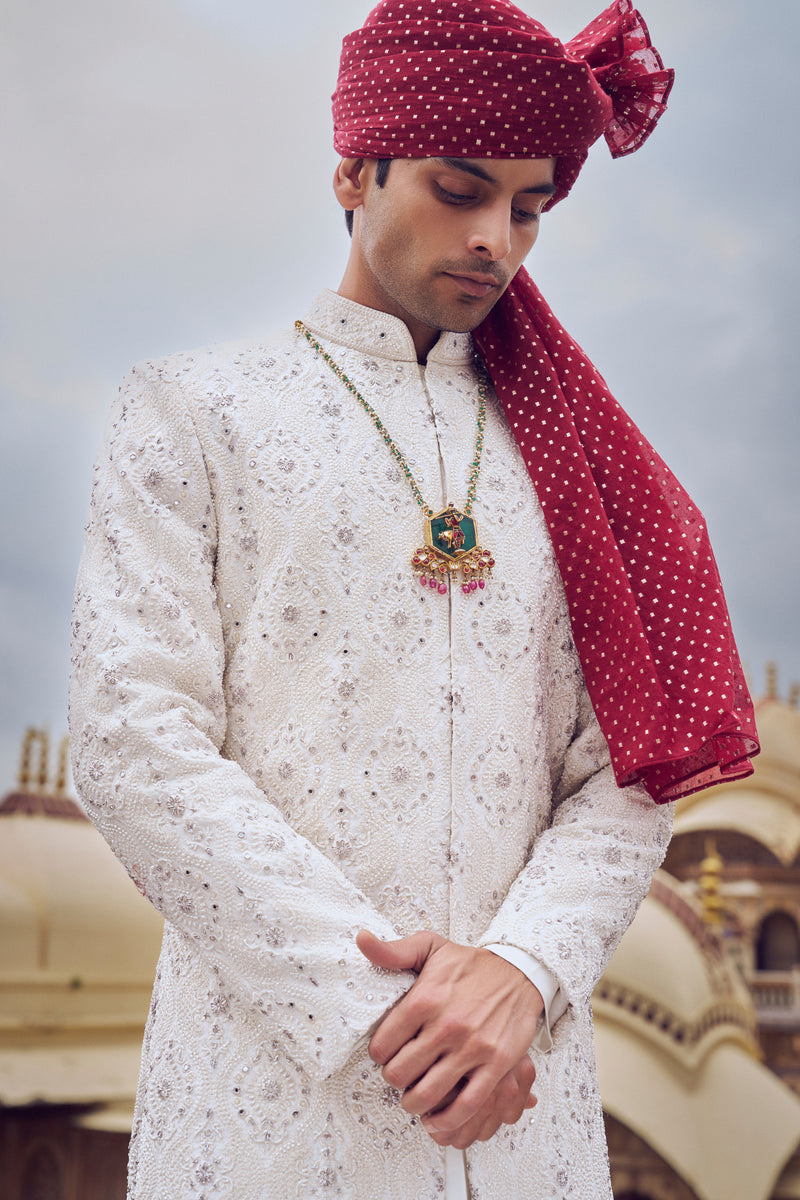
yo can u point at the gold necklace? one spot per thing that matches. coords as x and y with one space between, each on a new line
451 536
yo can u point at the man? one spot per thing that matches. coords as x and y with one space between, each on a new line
345 598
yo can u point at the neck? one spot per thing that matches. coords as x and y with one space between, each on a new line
423 336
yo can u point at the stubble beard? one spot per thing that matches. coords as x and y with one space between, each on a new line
461 315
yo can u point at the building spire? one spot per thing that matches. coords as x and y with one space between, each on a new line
711 903
27 778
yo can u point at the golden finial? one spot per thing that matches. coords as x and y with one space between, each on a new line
28 778
44 761
710 873
772 681
24 777
63 760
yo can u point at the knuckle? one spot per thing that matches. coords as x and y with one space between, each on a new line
453 1028
416 1006
477 1049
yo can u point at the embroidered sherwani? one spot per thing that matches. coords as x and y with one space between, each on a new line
286 738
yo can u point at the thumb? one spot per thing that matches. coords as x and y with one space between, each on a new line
404 954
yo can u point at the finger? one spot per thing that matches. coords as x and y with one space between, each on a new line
449 1098
510 1108
509 1097
430 1065
492 1124
399 1034
485 1130
525 1074
403 954
467 1104
428 1062
480 1128
462 1139
498 1110
396 1032
427 1087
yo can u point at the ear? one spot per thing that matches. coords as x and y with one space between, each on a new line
350 182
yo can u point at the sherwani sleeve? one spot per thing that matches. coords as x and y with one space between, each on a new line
264 907
588 871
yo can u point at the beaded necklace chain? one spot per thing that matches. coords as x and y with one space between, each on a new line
451 536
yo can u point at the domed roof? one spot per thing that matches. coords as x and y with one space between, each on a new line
677 1054
66 903
765 807
79 950
671 983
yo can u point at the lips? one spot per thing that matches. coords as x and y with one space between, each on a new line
474 284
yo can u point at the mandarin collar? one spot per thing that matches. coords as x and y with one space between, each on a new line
378 334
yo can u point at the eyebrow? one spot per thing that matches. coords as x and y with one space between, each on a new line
471 168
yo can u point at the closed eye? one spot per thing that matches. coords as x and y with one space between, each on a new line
453 197
524 216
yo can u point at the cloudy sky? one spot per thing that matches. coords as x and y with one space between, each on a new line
167 171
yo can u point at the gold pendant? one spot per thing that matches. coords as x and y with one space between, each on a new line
451 545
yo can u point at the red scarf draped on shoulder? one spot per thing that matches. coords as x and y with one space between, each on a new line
479 78
648 614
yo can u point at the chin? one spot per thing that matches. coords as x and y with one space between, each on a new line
465 321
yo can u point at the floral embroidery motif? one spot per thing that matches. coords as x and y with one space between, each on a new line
284 465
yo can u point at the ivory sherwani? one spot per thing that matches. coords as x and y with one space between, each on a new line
286 738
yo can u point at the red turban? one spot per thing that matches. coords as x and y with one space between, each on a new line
480 79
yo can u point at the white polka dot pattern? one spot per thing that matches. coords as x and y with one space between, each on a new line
480 78
646 603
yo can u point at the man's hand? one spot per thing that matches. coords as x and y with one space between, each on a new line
457 1042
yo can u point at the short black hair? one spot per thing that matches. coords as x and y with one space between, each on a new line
381 175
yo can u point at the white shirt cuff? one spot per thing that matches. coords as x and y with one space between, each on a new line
554 1003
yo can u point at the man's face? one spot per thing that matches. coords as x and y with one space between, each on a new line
438 244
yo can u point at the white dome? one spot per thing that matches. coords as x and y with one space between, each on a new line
79 951
677 1055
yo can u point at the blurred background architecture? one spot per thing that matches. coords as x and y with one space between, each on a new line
698 1015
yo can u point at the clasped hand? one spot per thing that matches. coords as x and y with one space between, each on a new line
457 1043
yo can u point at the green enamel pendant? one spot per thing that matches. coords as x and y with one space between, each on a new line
451 546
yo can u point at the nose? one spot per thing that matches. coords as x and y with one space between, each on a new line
492 233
